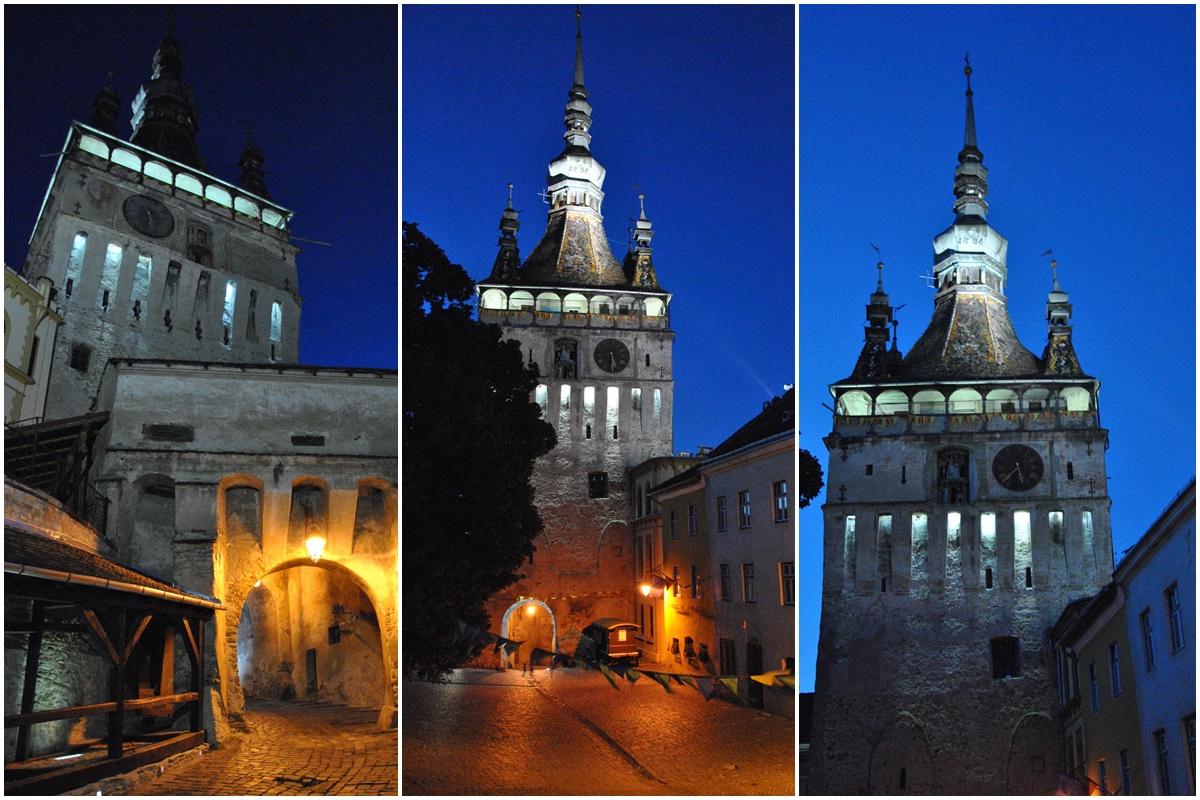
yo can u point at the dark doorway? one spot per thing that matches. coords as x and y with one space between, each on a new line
728 657
310 671
754 666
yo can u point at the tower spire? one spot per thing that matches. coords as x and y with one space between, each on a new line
579 49
970 177
1059 357
164 111
509 258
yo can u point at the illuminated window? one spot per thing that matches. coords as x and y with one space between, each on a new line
276 330
779 490
111 273
1023 549
695 581
227 313
744 509
75 263
849 551
722 514
141 284
883 549
540 396
612 408
692 522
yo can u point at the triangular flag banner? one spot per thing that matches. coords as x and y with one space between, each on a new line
608 675
788 681
690 680
540 657
632 675
730 682
500 642
705 685
766 679
511 647
662 678
675 676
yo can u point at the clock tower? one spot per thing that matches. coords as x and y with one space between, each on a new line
154 257
599 331
967 504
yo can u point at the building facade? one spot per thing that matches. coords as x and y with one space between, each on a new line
599 331
203 457
1158 577
30 323
967 503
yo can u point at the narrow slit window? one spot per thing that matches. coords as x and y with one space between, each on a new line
227 313
141 284
1023 547
75 263
112 271
276 330
612 409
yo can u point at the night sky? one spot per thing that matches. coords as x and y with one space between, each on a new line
1086 119
692 106
318 88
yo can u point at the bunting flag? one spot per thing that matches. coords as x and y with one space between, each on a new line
663 679
632 675
705 685
608 675
731 683
690 680
511 647
540 657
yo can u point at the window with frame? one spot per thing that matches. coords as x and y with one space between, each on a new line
779 490
954 484
726 583
1148 638
744 509
673 523
1006 657
1164 762
1176 614
1094 683
1102 775
787 583
1189 737
597 485
695 581
722 514
1114 668
675 581
566 359
1126 774
748 593
693 528
81 357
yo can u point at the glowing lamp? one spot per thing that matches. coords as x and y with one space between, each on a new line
530 609
316 545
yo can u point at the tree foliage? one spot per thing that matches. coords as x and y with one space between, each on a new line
471 434
812 479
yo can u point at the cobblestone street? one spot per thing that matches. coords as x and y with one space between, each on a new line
569 732
295 748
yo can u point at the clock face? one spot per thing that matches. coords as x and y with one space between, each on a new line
149 216
1018 467
611 355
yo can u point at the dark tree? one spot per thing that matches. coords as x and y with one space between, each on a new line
471 436
811 477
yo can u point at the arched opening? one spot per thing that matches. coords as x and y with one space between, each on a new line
374 527
1076 398
854 404
521 300
532 623
654 307
311 631
966 401
1001 401
575 303
891 402
494 299
307 518
929 401
602 304
150 546
1036 400
549 301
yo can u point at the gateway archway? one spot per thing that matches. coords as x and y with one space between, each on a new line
531 622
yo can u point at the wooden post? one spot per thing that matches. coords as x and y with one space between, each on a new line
116 719
33 656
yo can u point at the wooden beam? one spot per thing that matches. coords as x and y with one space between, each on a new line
34 717
193 648
73 777
143 621
98 628
33 658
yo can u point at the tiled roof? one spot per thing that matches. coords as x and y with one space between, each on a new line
970 336
573 252
28 549
778 417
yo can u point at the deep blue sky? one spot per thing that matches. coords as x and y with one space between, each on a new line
692 106
318 86
1086 117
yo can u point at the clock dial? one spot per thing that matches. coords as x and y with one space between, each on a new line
611 355
1018 467
149 216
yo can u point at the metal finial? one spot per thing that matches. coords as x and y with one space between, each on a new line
578 25
510 188
171 21
642 203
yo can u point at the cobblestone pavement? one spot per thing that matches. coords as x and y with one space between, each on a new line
569 732
294 748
